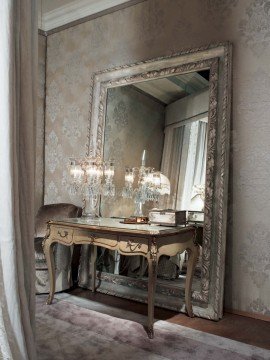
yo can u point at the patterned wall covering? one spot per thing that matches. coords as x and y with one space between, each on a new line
134 122
161 27
40 123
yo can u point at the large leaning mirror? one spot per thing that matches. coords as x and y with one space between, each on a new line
173 114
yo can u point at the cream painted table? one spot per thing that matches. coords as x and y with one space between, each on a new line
128 239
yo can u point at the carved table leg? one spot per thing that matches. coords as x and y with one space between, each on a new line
93 267
192 260
152 276
49 256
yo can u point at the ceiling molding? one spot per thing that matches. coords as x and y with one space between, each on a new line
77 10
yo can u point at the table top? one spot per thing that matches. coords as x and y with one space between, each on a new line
114 225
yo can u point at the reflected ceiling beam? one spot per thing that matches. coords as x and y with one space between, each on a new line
135 88
172 88
162 89
185 87
190 83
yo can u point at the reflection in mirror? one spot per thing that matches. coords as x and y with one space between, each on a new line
169 118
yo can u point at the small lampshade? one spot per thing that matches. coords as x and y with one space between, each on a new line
165 185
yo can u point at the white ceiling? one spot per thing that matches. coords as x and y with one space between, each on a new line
55 13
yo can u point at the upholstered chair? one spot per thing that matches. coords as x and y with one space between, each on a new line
62 254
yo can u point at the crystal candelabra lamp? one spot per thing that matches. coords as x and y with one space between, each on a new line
144 184
91 178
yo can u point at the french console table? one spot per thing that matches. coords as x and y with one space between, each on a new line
128 239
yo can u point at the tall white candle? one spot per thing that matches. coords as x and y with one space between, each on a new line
143 157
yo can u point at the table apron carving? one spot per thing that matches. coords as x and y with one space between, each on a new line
149 245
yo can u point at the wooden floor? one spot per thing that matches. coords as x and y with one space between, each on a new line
235 327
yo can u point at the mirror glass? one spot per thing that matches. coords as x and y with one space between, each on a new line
168 118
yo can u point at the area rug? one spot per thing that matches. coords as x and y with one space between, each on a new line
74 328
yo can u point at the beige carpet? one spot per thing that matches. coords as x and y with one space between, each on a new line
73 328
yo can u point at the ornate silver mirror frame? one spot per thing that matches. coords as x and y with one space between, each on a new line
208 303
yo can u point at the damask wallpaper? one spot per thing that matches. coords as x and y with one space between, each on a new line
161 27
134 122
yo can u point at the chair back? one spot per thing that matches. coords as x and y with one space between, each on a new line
54 212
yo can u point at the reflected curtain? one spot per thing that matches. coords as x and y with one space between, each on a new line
184 162
18 71
171 162
193 172
200 156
